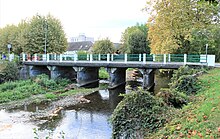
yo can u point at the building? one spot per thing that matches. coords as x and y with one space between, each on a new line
74 47
81 38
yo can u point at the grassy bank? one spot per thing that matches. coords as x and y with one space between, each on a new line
200 118
50 89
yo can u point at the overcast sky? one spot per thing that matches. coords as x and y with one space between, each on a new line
95 18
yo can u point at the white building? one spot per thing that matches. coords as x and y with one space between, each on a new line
81 38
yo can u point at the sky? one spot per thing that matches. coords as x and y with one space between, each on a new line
94 18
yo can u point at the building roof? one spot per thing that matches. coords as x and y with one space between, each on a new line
80 46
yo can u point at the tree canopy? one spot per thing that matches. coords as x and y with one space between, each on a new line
134 40
171 28
104 46
29 36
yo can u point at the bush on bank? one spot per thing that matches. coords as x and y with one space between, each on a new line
8 71
201 117
140 113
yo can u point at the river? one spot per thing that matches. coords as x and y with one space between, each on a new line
82 121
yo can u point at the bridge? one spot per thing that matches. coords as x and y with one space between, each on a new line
85 67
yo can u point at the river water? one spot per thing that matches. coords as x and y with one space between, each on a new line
83 121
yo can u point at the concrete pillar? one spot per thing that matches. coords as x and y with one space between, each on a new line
61 57
48 57
185 59
139 57
99 57
62 72
148 78
91 58
23 57
117 77
24 72
108 58
144 58
164 59
126 58
87 76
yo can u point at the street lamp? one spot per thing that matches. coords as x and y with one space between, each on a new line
9 47
206 49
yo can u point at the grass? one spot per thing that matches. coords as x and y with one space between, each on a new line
200 118
52 89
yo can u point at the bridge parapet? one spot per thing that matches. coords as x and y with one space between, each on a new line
186 59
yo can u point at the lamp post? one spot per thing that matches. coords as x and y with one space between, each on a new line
206 49
9 47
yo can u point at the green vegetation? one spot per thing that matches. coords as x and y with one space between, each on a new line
200 118
52 89
137 112
104 46
8 71
134 40
142 114
184 26
29 36
103 74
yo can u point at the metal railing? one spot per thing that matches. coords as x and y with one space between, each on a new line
160 58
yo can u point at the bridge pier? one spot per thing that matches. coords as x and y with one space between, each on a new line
37 70
148 78
117 77
62 72
87 76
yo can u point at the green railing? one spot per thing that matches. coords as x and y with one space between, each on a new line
193 58
162 58
118 57
176 57
82 57
159 58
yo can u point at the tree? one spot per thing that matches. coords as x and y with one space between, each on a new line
104 46
210 36
137 42
7 35
20 41
171 27
29 36
41 28
134 40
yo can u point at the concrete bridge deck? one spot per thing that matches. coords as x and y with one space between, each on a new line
85 67
114 64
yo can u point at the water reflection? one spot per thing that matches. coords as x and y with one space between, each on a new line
90 120
82 121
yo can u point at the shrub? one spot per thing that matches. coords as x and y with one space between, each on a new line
8 71
138 113
44 81
187 84
103 74
172 98
184 81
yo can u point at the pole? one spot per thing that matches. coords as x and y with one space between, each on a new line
45 41
206 49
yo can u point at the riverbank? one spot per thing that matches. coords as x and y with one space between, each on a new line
199 119
57 94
